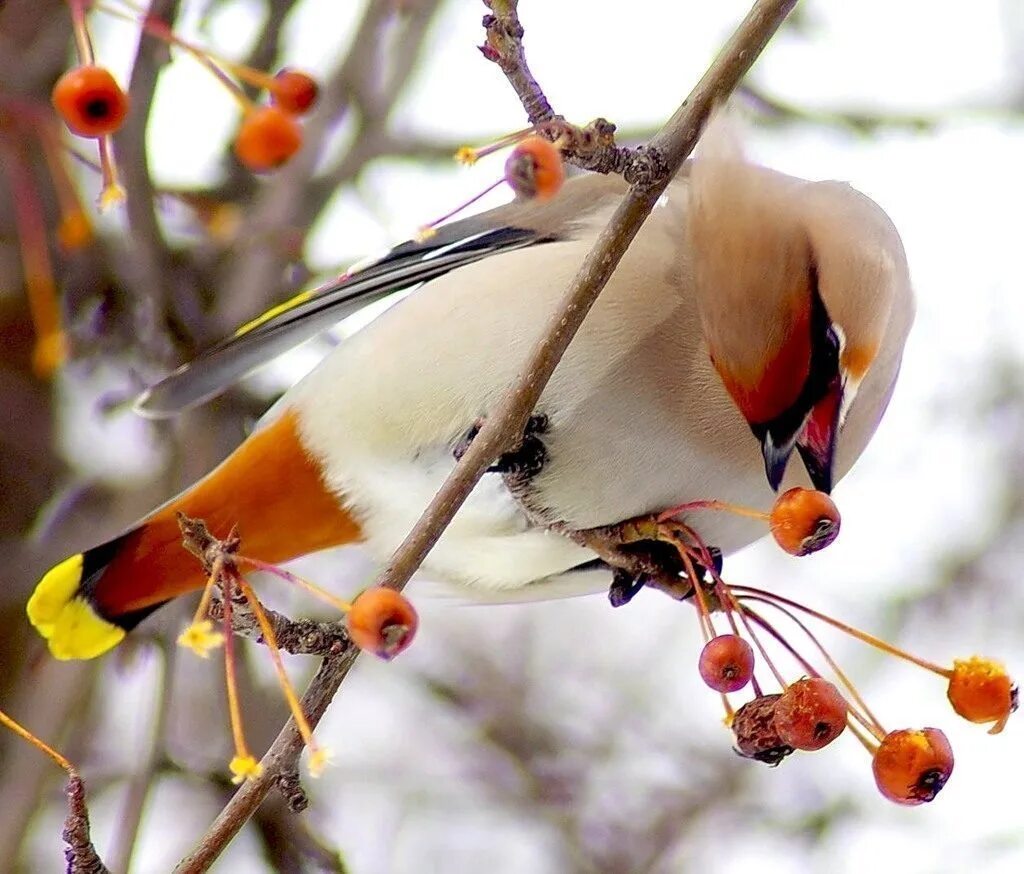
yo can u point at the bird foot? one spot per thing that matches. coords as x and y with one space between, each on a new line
522 462
645 552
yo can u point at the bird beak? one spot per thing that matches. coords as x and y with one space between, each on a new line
817 441
814 437
776 457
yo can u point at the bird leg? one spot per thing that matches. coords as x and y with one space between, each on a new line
645 552
523 461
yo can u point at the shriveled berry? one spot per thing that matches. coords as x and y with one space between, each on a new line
268 137
294 91
980 690
535 169
754 728
810 714
912 765
90 101
726 663
382 621
804 521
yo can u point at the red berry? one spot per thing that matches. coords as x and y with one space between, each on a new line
726 663
980 690
756 736
268 137
294 91
534 169
804 521
382 621
810 714
911 766
91 103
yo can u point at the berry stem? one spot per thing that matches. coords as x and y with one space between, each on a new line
873 725
862 636
234 710
67 195
204 600
270 639
288 576
39 744
469 155
158 29
428 230
867 740
40 287
112 193
83 41
704 615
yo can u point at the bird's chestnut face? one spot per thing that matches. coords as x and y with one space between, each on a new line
797 400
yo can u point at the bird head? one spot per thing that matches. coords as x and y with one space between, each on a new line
795 282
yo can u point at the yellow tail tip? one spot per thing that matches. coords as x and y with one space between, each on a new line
68 622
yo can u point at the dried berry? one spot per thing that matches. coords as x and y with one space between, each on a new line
804 521
90 101
911 765
980 690
535 169
726 663
382 621
756 737
810 714
268 137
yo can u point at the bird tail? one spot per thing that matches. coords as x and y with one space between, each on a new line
271 488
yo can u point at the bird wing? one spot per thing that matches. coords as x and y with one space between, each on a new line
517 225
308 314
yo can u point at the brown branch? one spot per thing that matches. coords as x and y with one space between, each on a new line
667 151
80 855
591 148
504 46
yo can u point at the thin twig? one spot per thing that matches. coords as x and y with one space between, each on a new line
280 758
669 149
80 854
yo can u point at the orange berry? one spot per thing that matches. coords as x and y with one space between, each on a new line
756 736
726 663
980 690
810 714
911 765
90 101
268 137
294 91
382 621
804 521
535 169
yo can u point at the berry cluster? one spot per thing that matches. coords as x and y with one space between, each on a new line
379 620
92 104
910 765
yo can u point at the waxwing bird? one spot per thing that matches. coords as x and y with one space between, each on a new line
755 314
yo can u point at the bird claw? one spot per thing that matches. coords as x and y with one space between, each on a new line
644 552
524 461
